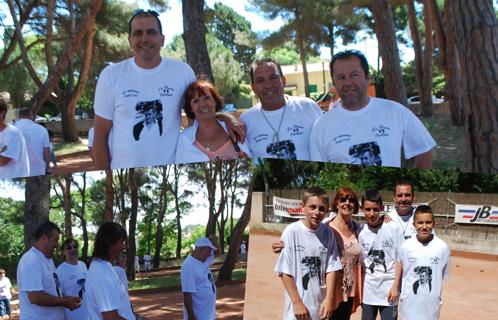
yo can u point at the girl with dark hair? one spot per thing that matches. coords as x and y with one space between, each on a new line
106 293
207 138
72 277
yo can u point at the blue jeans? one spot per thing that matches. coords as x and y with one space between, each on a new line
369 312
4 307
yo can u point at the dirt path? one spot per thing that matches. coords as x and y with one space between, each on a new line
471 291
74 162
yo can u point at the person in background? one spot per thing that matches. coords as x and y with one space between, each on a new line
5 295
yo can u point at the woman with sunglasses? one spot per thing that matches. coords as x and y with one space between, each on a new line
207 138
348 287
72 277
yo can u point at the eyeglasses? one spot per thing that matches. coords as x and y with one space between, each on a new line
74 246
346 198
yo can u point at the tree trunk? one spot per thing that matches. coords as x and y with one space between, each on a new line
426 88
445 41
476 24
302 56
163 205
132 249
388 50
68 205
84 250
109 196
176 197
36 206
236 239
194 35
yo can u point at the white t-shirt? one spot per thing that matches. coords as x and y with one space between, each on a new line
308 255
197 279
405 223
144 106
105 291
188 152
5 288
424 268
297 118
243 249
122 275
72 279
35 272
36 137
147 260
379 255
18 166
91 134
372 135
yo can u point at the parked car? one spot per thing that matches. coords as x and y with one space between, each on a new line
416 99
40 119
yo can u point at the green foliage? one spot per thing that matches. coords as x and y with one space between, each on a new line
286 54
234 31
11 234
438 81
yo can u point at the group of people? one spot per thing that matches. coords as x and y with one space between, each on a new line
330 266
71 291
139 100
25 146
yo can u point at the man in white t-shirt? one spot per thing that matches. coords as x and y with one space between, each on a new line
279 126
198 287
40 294
5 295
13 153
37 143
147 262
139 101
365 130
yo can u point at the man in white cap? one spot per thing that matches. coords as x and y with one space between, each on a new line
198 287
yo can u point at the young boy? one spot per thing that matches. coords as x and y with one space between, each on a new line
380 244
425 260
309 261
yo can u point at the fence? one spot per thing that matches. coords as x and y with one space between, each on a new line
442 203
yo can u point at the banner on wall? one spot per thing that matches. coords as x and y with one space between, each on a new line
476 214
290 208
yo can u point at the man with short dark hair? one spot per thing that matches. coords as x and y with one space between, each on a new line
198 287
13 154
279 126
37 143
359 121
403 197
138 101
40 295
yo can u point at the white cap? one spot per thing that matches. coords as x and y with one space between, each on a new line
205 242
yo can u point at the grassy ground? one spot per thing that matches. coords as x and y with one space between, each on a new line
173 281
449 153
62 148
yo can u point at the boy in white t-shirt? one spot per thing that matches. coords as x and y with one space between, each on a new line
5 295
425 261
309 261
380 243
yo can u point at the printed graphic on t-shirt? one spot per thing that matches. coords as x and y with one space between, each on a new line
376 257
282 150
366 154
81 285
312 266
210 278
149 116
57 284
424 283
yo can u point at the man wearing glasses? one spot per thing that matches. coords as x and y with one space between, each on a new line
359 123
40 295
199 290
279 126
137 101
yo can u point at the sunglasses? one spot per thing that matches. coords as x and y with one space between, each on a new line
145 12
74 246
344 199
